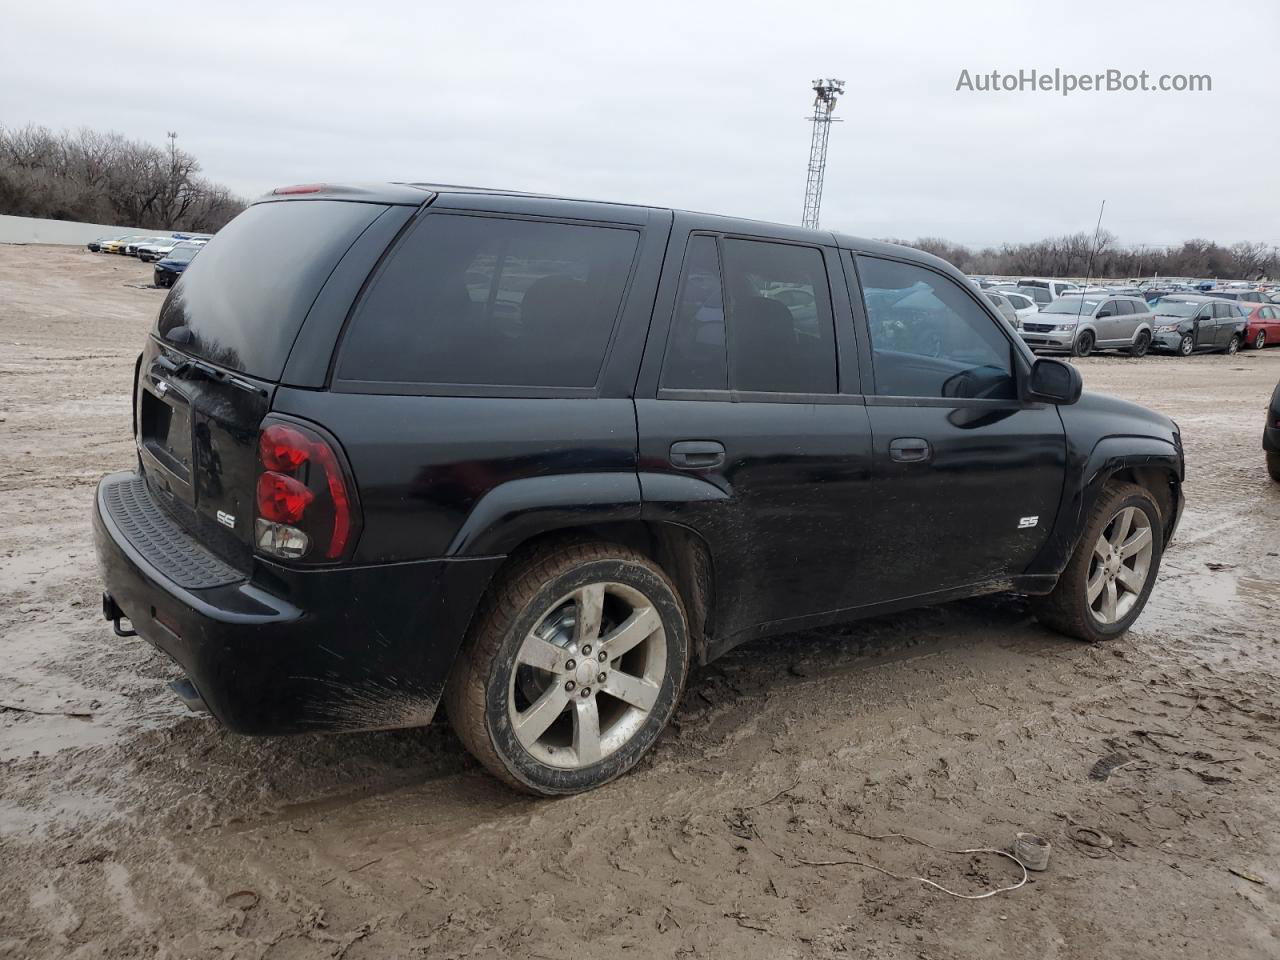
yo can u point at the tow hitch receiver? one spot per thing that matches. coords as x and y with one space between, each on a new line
111 611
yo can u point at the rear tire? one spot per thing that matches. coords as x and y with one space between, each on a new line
1083 345
1141 345
1233 345
572 668
1273 465
1108 579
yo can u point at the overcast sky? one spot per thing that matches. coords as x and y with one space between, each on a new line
695 104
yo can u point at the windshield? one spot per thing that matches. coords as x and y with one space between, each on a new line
183 252
1166 307
242 304
1072 305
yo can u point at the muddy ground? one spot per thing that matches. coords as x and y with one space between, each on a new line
131 828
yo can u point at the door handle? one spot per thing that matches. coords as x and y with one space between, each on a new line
697 454
910 450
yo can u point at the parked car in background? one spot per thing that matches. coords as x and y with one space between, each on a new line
1055 288
1081 323
1005 308
113 244
455 446
1188 323
1271 436
1245 296
95 246
170 267
149 252
1022 304
1263 324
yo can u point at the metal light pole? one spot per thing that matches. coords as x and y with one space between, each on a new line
824 104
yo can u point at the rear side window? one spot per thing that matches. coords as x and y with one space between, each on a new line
491 301
781 335
697 357
242 300
1124 308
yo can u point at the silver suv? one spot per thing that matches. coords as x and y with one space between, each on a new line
1081 323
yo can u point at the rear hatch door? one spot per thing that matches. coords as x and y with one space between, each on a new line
211 366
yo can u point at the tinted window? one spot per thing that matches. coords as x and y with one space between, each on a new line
243 299
696 355
780 330
1038 294
489 301
1123 308
929 338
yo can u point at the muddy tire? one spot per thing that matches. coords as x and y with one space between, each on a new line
572 668
1083 345
1273 465
1109 577
1141 345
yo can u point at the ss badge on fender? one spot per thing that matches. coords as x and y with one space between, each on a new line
1027 522
226 519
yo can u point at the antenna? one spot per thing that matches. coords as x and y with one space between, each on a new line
1088 270
824 104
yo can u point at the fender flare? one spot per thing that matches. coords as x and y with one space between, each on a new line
514 511
1109 456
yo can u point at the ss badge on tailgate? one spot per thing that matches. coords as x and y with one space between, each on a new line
1023 524
226 519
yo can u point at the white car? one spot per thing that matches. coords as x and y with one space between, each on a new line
1022 304
1044 290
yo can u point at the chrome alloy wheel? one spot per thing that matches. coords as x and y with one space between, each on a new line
587 675
1120 565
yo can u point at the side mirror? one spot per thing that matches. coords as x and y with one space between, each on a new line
1103 313
1054 381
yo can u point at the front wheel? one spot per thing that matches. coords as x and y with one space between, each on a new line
572 668
1186 345
1260 340
1141 345
1084 344
1233 345
1109 577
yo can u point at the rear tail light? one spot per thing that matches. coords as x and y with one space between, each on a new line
305 508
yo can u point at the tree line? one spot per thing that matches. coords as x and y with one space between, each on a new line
1079 255
95 177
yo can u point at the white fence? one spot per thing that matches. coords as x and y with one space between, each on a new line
35 230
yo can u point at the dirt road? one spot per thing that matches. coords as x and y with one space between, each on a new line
130 828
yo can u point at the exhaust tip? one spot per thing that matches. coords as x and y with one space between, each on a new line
186 691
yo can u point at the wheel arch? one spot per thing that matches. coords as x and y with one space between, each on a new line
1150 462
682 554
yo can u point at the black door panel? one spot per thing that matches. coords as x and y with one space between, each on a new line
981 505
788 536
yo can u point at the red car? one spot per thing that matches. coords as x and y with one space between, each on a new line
1264 324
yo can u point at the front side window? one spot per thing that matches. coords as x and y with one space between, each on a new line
929 338
491 301
1124 308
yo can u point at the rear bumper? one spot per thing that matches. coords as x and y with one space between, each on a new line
286 651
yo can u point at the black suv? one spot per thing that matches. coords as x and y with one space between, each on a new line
532 457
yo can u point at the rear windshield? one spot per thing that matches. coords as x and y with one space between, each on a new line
242 300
